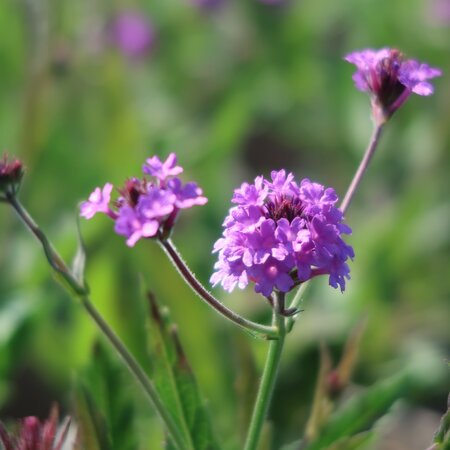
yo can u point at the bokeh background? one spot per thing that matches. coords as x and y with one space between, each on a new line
236 88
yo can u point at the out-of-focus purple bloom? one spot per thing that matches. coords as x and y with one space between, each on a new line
146 208
36 435
390 78
132 33
438 12
281 234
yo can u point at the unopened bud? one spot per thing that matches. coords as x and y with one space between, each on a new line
11 173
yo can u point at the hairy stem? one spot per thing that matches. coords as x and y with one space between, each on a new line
200 290
268 379
370 151
136 370
81 292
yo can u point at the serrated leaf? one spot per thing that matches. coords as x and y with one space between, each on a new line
361 411
176 383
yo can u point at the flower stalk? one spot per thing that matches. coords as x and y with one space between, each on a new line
207 297
269 377
370 151
81 292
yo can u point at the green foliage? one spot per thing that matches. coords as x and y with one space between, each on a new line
236 92
442 436
175 381
360 413
105 404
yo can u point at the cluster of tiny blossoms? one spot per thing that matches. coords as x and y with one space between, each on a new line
281 234
146 208
390 78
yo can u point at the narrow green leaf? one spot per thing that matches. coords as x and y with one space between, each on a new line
92 430
106 386
357 442
176 383
360 412
442 435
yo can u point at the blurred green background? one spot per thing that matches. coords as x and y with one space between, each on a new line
235 91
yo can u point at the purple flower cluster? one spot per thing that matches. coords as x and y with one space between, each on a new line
281 234
390 78
146 208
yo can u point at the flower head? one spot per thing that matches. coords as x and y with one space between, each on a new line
281 234
36 435
132 33
390 78
11 173
146 208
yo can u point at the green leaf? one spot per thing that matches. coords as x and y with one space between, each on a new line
175 381
361 411
442 435
92 429
357 442
106 387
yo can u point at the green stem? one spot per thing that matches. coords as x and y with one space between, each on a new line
362 168
81 292
207 297
298 297
136 370
268 379
363 165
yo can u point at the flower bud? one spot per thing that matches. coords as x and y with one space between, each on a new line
11 173
390 79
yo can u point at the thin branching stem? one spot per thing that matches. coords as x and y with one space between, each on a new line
200 290
80 291
268 379
370 151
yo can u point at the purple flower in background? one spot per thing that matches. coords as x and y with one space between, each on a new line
281 234
132 33
146 208
439 12
390 78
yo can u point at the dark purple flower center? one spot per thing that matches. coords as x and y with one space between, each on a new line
384 80
284 207
132 190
